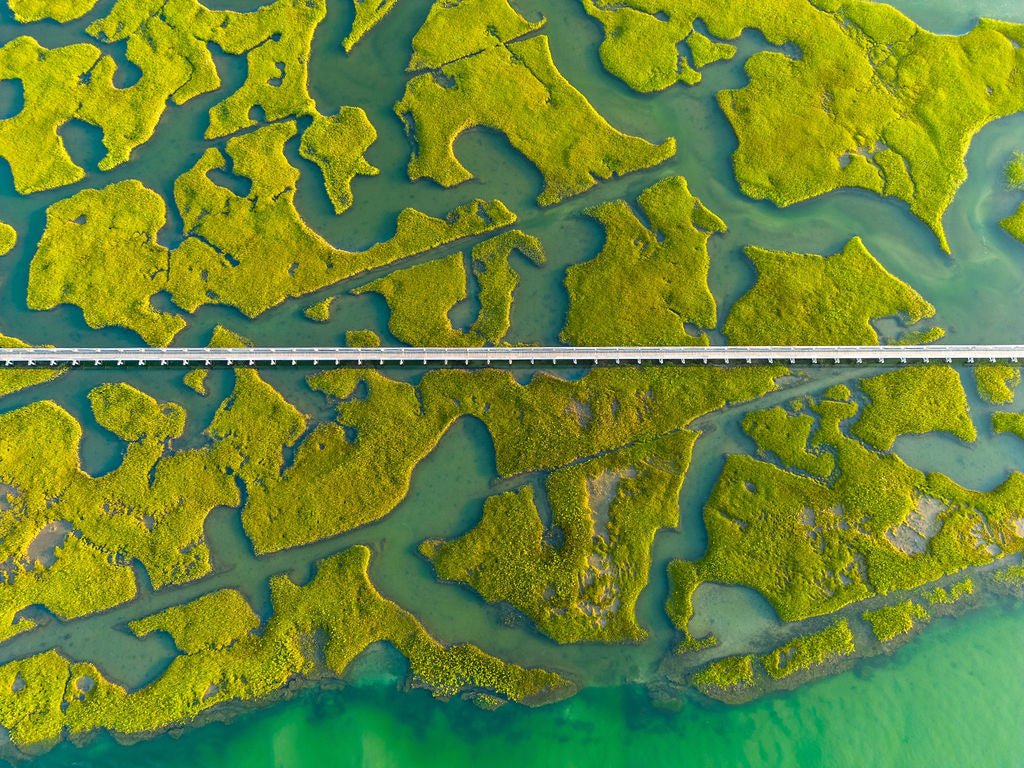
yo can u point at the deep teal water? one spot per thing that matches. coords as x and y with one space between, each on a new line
950 697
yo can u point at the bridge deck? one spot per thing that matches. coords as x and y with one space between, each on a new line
321 356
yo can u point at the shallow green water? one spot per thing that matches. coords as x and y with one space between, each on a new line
948 698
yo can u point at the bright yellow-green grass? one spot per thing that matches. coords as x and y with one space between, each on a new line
1015 224
318 628
810 651
582 583
1015 171
957 592
812 545
321 311
891 621
726 674
646 285
454 31
870 100
15 379
99 250
169 41
421 297
369 13
363 338
196 380
86 531
787 436
808 300
212 622
515 89
913 401
355 469
337 144
27 11
8 238
996 382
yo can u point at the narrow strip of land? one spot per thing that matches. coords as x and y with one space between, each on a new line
537 356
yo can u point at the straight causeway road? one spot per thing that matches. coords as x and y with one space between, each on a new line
515 356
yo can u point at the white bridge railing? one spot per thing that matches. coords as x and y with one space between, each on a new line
540 356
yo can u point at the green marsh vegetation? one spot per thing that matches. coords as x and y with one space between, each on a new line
512 87
1004 422
316 629
26 11
580 579
1015 172
892 621
420 298
337 144
870 100
814 650
456 31
659 273
66 533
841 521
355 469
169 41
1015 180
234 252
8 238
740 678
196 380
319 312
725 675
362 338
804 299
956 593
369 13
997 382
914 400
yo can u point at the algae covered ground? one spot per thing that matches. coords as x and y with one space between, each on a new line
187 544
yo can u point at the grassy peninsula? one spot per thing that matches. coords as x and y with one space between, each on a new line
511 86
250 252
316 629
837 520
862 97
805 299
659 273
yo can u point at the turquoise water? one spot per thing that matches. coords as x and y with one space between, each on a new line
951 698
948 698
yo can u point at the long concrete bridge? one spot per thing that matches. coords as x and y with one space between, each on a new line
516 356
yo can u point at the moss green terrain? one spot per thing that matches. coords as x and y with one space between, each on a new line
840 521
996 382
648 283
318 628
515 89
355 469
912 401
369 13
808 300
869 99
421 297
27 11
606 512
810 651
100 251
337 144
892 621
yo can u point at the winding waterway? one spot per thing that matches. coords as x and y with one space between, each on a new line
949 697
